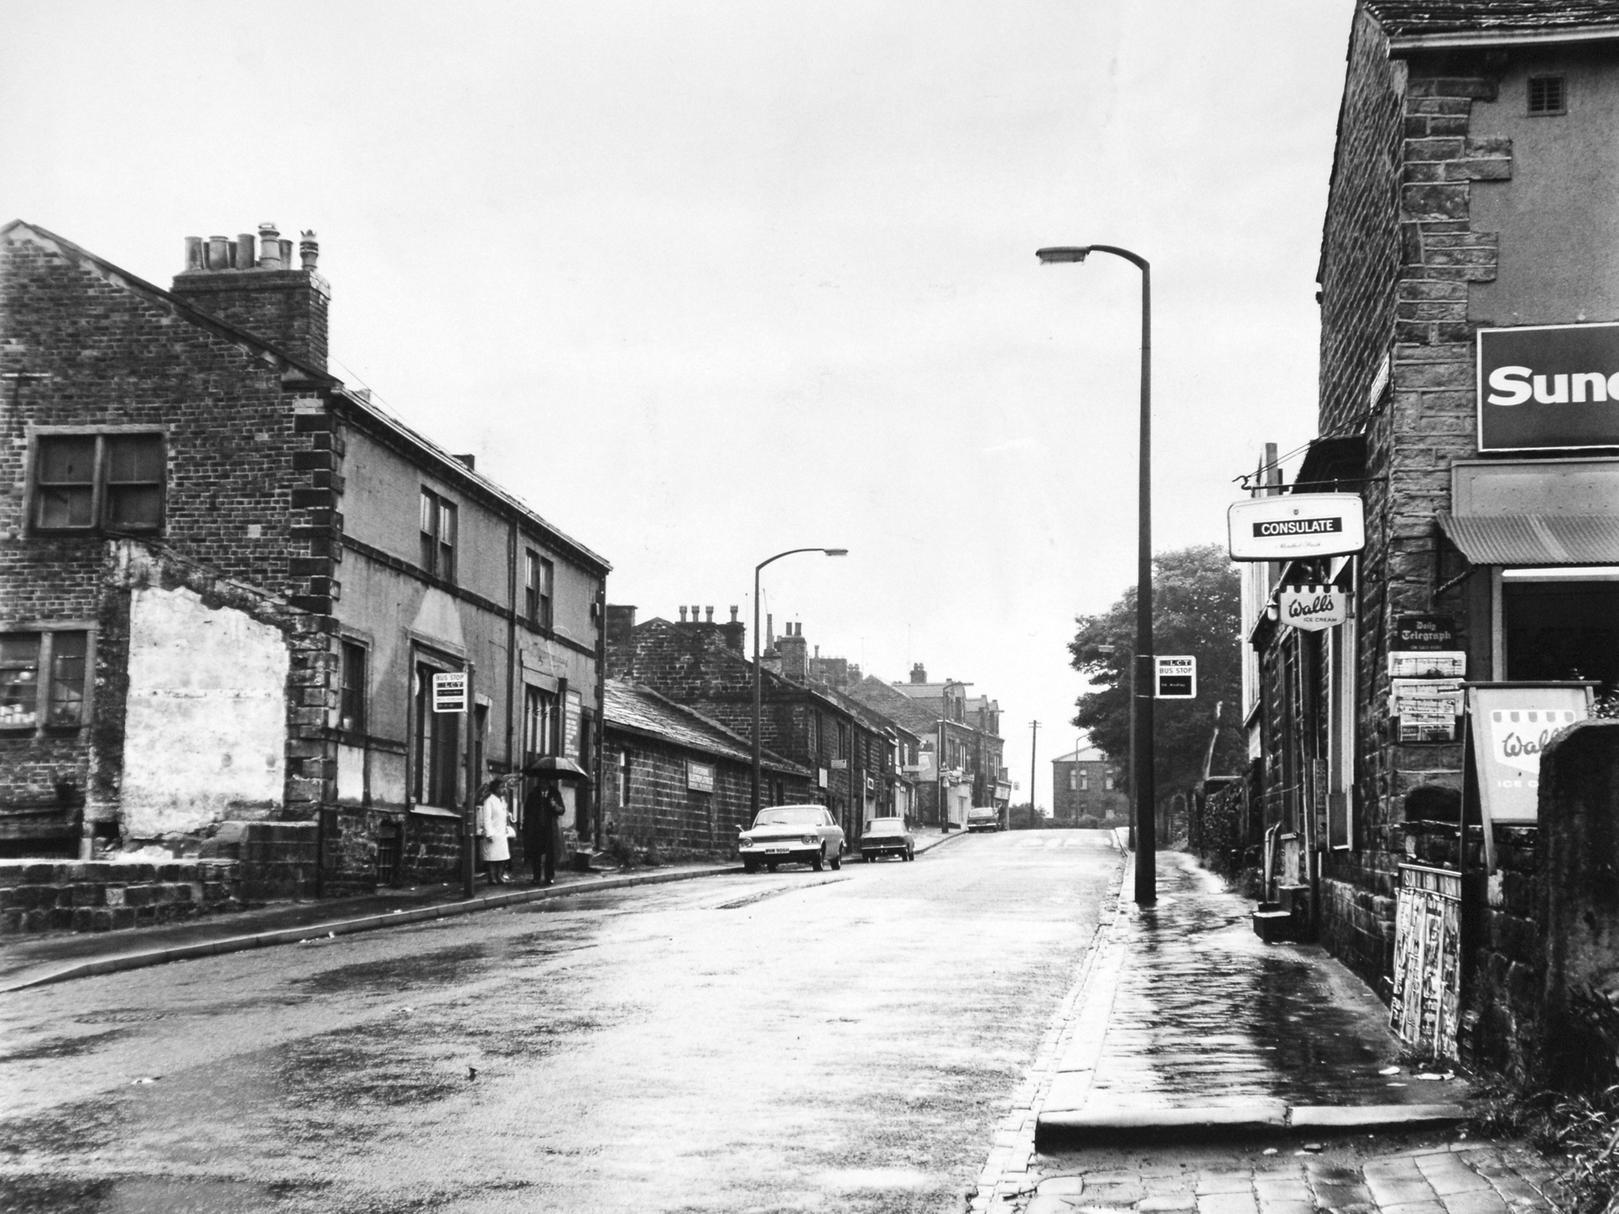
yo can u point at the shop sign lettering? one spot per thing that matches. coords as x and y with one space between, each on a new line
1295 526
1548 387
1312 608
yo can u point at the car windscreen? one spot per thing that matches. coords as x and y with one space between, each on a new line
788 817
885 826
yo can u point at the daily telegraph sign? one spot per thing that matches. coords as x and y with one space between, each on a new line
1296 525
1548 388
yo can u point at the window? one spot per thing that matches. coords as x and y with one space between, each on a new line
623 779
1548 95
351 707
537 581
1073 780
42 679
1084 781
540 719
438 536
98 482
1108 782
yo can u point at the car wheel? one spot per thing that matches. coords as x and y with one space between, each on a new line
820 860
836 862
750 866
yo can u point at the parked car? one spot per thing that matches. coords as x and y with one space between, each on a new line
983 817
887 837
792 834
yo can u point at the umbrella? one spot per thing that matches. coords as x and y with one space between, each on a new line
556 767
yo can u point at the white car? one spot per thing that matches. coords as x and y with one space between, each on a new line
792 834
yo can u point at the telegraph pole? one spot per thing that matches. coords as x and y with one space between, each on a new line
1034 737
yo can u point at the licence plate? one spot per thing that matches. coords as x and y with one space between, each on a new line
775 851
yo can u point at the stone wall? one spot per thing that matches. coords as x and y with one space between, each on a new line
98 896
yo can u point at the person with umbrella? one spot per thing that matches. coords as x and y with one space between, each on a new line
542 829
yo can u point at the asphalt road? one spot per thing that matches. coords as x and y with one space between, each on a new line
786 1041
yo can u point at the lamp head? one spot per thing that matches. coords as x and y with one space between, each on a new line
835 551
1061 253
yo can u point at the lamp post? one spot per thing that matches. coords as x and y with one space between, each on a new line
1141 691
758 684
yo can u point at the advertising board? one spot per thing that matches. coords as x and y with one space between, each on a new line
1548 388
1296 525
1511 723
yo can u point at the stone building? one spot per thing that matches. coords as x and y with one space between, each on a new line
701 665
676 783
1088 788
227 583
1469 294
962 748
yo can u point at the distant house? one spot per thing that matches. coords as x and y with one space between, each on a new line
235 594
962 748
675 781
1087 784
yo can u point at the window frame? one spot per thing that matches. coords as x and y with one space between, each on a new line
1538 87
438 530
46 678
99 483
356 723
539 590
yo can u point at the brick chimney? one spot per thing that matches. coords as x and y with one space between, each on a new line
263 294
735 633
620 623
794 653
919 673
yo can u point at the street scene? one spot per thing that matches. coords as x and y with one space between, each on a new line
752 607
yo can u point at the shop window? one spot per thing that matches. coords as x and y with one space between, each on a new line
98 482
1548 95
352 700
1556 629
438 536
43 680
436 749
538 579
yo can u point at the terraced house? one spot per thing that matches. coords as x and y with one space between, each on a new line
229 585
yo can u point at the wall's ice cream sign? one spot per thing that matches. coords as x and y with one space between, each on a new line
1548 388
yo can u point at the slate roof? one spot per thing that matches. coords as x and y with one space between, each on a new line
637 709
1415 18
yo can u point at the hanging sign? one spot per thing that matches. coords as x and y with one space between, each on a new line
1548 387
1296 525
1424 632
449 691
1312 608
1511 724
1176 678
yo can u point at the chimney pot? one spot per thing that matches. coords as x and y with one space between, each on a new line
269 247
218 253
708 615
682 615
734 610
244 251
194 253
309 250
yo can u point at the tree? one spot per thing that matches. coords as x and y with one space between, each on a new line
1195 610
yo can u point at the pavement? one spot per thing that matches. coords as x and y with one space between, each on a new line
1191 1069
1195 1069
61 956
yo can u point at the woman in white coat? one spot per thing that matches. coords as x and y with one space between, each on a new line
494 821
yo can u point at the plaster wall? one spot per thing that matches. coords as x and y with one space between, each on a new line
1558 229
206 725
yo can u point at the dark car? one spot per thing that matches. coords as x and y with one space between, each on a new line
887 837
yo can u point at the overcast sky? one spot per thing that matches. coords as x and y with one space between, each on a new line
704 281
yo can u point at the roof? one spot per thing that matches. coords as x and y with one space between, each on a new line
637 709
1086 754
353 400
1534 539
1460 22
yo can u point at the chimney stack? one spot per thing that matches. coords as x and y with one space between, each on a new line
919 674
620 623
794 653
264 296
735 633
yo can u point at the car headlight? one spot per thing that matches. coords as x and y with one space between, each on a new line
812 838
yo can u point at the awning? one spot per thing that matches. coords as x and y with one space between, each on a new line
1534 539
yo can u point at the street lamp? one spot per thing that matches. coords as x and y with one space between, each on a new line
758 685
1141 691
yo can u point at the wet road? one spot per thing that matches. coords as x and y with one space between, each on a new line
785 1041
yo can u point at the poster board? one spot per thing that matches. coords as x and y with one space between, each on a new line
1426 1003
1509 725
